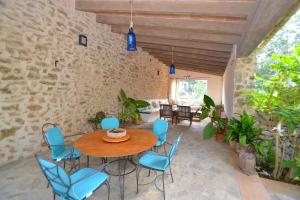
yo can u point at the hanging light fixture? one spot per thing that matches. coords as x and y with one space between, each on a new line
131 42
172 66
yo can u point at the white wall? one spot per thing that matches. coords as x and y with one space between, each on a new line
228 84
214 83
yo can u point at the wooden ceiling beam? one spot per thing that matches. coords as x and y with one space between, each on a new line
190 60
209 8
202 66
185 43
187 55
206 24
197 69
178 34
167 48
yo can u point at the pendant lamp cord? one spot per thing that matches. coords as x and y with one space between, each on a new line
131 22
172 55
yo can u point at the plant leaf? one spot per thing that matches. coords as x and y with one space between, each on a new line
209 131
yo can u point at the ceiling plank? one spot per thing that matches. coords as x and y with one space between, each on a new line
205 71
185 43
178 34
216 7
187 55
166 48
211 24
202 66
192 60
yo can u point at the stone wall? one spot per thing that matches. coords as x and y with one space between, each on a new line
244 78
36 33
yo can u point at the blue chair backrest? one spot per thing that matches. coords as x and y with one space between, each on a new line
173 148
109 123
55 140
160 129
57 177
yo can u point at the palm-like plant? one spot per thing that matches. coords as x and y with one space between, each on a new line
130 107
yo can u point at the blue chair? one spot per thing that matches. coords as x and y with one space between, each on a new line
110 122
79 185
154 161
160 129
59 151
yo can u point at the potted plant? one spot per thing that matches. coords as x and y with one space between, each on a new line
217 126
221 129
95 121
130 108
243 131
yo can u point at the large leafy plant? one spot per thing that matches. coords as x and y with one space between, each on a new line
217 124
208 107
130 107
243 130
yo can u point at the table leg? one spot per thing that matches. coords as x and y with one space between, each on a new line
122 170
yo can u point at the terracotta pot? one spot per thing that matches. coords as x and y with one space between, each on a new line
219 137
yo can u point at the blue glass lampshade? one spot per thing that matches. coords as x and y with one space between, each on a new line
131 43
172 69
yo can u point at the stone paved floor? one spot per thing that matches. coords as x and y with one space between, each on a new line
202 170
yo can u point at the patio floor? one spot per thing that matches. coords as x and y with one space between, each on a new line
202 169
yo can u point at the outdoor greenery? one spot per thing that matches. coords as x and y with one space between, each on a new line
130 107
276 95
191 91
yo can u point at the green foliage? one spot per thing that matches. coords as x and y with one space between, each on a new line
209 131
217 125
294 165
207 108
265 149
278 95
243 130
130 107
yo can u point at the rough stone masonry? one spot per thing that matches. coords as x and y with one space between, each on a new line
36 33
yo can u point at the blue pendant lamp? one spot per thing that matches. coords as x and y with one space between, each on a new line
131 40
172 66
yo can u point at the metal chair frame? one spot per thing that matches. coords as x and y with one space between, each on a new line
138 169
69 180
54 125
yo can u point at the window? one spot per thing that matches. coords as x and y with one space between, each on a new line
190 92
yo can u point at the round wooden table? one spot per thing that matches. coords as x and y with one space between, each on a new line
93 145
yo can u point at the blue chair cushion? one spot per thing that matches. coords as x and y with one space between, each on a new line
85 181
68 153
155 161
109 123
56 175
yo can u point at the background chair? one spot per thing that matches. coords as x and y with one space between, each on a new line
110 122
160 129
184 112
154 161
80 185
166 111
59 151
